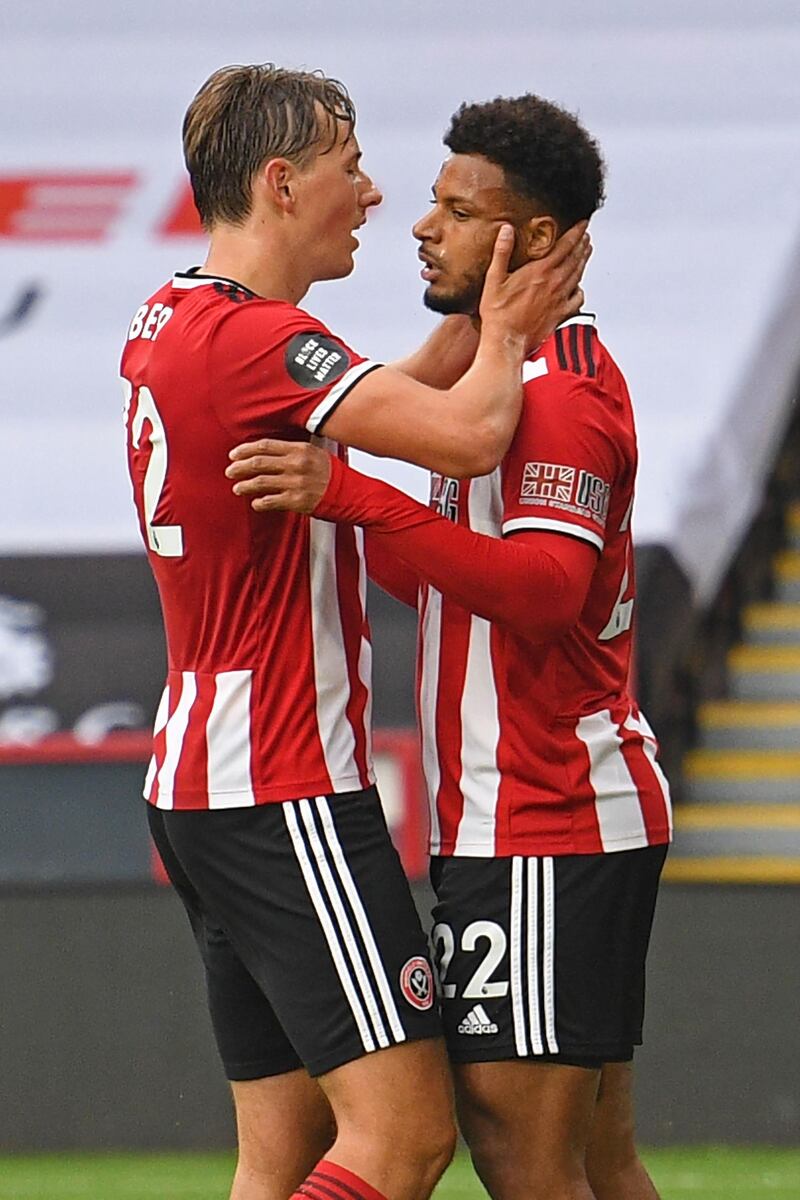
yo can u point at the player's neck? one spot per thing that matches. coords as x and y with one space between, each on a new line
244 256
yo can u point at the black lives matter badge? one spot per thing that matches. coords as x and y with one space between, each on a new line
314 360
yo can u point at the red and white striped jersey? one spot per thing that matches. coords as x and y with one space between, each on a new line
539 749
267 695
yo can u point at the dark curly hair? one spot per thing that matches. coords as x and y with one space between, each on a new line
546 154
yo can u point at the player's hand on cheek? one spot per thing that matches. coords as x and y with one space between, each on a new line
537 297
282 476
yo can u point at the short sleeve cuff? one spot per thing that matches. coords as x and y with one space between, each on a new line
552 525
337 393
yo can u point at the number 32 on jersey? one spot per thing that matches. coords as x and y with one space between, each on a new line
166 540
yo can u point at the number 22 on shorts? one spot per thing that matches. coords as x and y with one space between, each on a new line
480 986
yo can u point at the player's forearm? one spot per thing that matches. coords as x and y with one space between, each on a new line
389 572
486 402
445 354
508 582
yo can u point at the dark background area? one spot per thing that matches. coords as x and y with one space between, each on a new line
104 1036
105 1040
101 618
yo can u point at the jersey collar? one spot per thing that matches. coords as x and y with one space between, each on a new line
581 318
184 280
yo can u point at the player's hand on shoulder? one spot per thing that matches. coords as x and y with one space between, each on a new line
280 476
532 300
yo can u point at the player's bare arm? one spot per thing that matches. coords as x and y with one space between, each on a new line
445 355
466 430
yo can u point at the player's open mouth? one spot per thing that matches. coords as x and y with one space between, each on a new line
430 271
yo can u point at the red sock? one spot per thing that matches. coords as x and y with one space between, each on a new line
329 1181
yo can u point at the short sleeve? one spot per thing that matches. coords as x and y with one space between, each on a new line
280 370
564 461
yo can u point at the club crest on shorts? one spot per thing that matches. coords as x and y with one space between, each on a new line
416 983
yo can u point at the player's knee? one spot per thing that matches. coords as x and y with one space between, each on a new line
430 1142
511 1161
261 1157
440 1146
607 1165
614 1153
492 1160
444 1143
414 1124
488 1145
508 1174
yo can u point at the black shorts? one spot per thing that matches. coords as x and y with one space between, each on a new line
313 949
544 958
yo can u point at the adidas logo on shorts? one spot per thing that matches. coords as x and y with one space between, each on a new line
477 1021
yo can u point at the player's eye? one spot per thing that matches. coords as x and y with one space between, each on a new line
459 214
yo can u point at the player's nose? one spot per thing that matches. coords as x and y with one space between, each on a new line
371 195
424 230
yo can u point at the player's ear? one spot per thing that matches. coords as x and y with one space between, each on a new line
277 178
538 236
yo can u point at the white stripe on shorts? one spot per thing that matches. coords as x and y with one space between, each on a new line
517 1002
525 913
548 952
345 928
534 1017
367 936
328 928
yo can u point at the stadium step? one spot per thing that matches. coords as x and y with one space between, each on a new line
749 725
742 776
750 835
770 624
793 526
764 672
739 868
735 844
741 819
787 576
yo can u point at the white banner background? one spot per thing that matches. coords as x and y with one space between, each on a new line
697 108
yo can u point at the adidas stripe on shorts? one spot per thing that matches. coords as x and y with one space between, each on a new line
313 950
544 958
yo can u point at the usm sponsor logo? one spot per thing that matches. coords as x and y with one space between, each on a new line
569 488
477 1022
593 494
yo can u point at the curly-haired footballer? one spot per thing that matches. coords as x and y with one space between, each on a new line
550 815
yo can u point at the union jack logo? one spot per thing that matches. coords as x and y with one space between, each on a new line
547 481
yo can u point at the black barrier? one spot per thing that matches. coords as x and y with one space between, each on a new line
82 648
